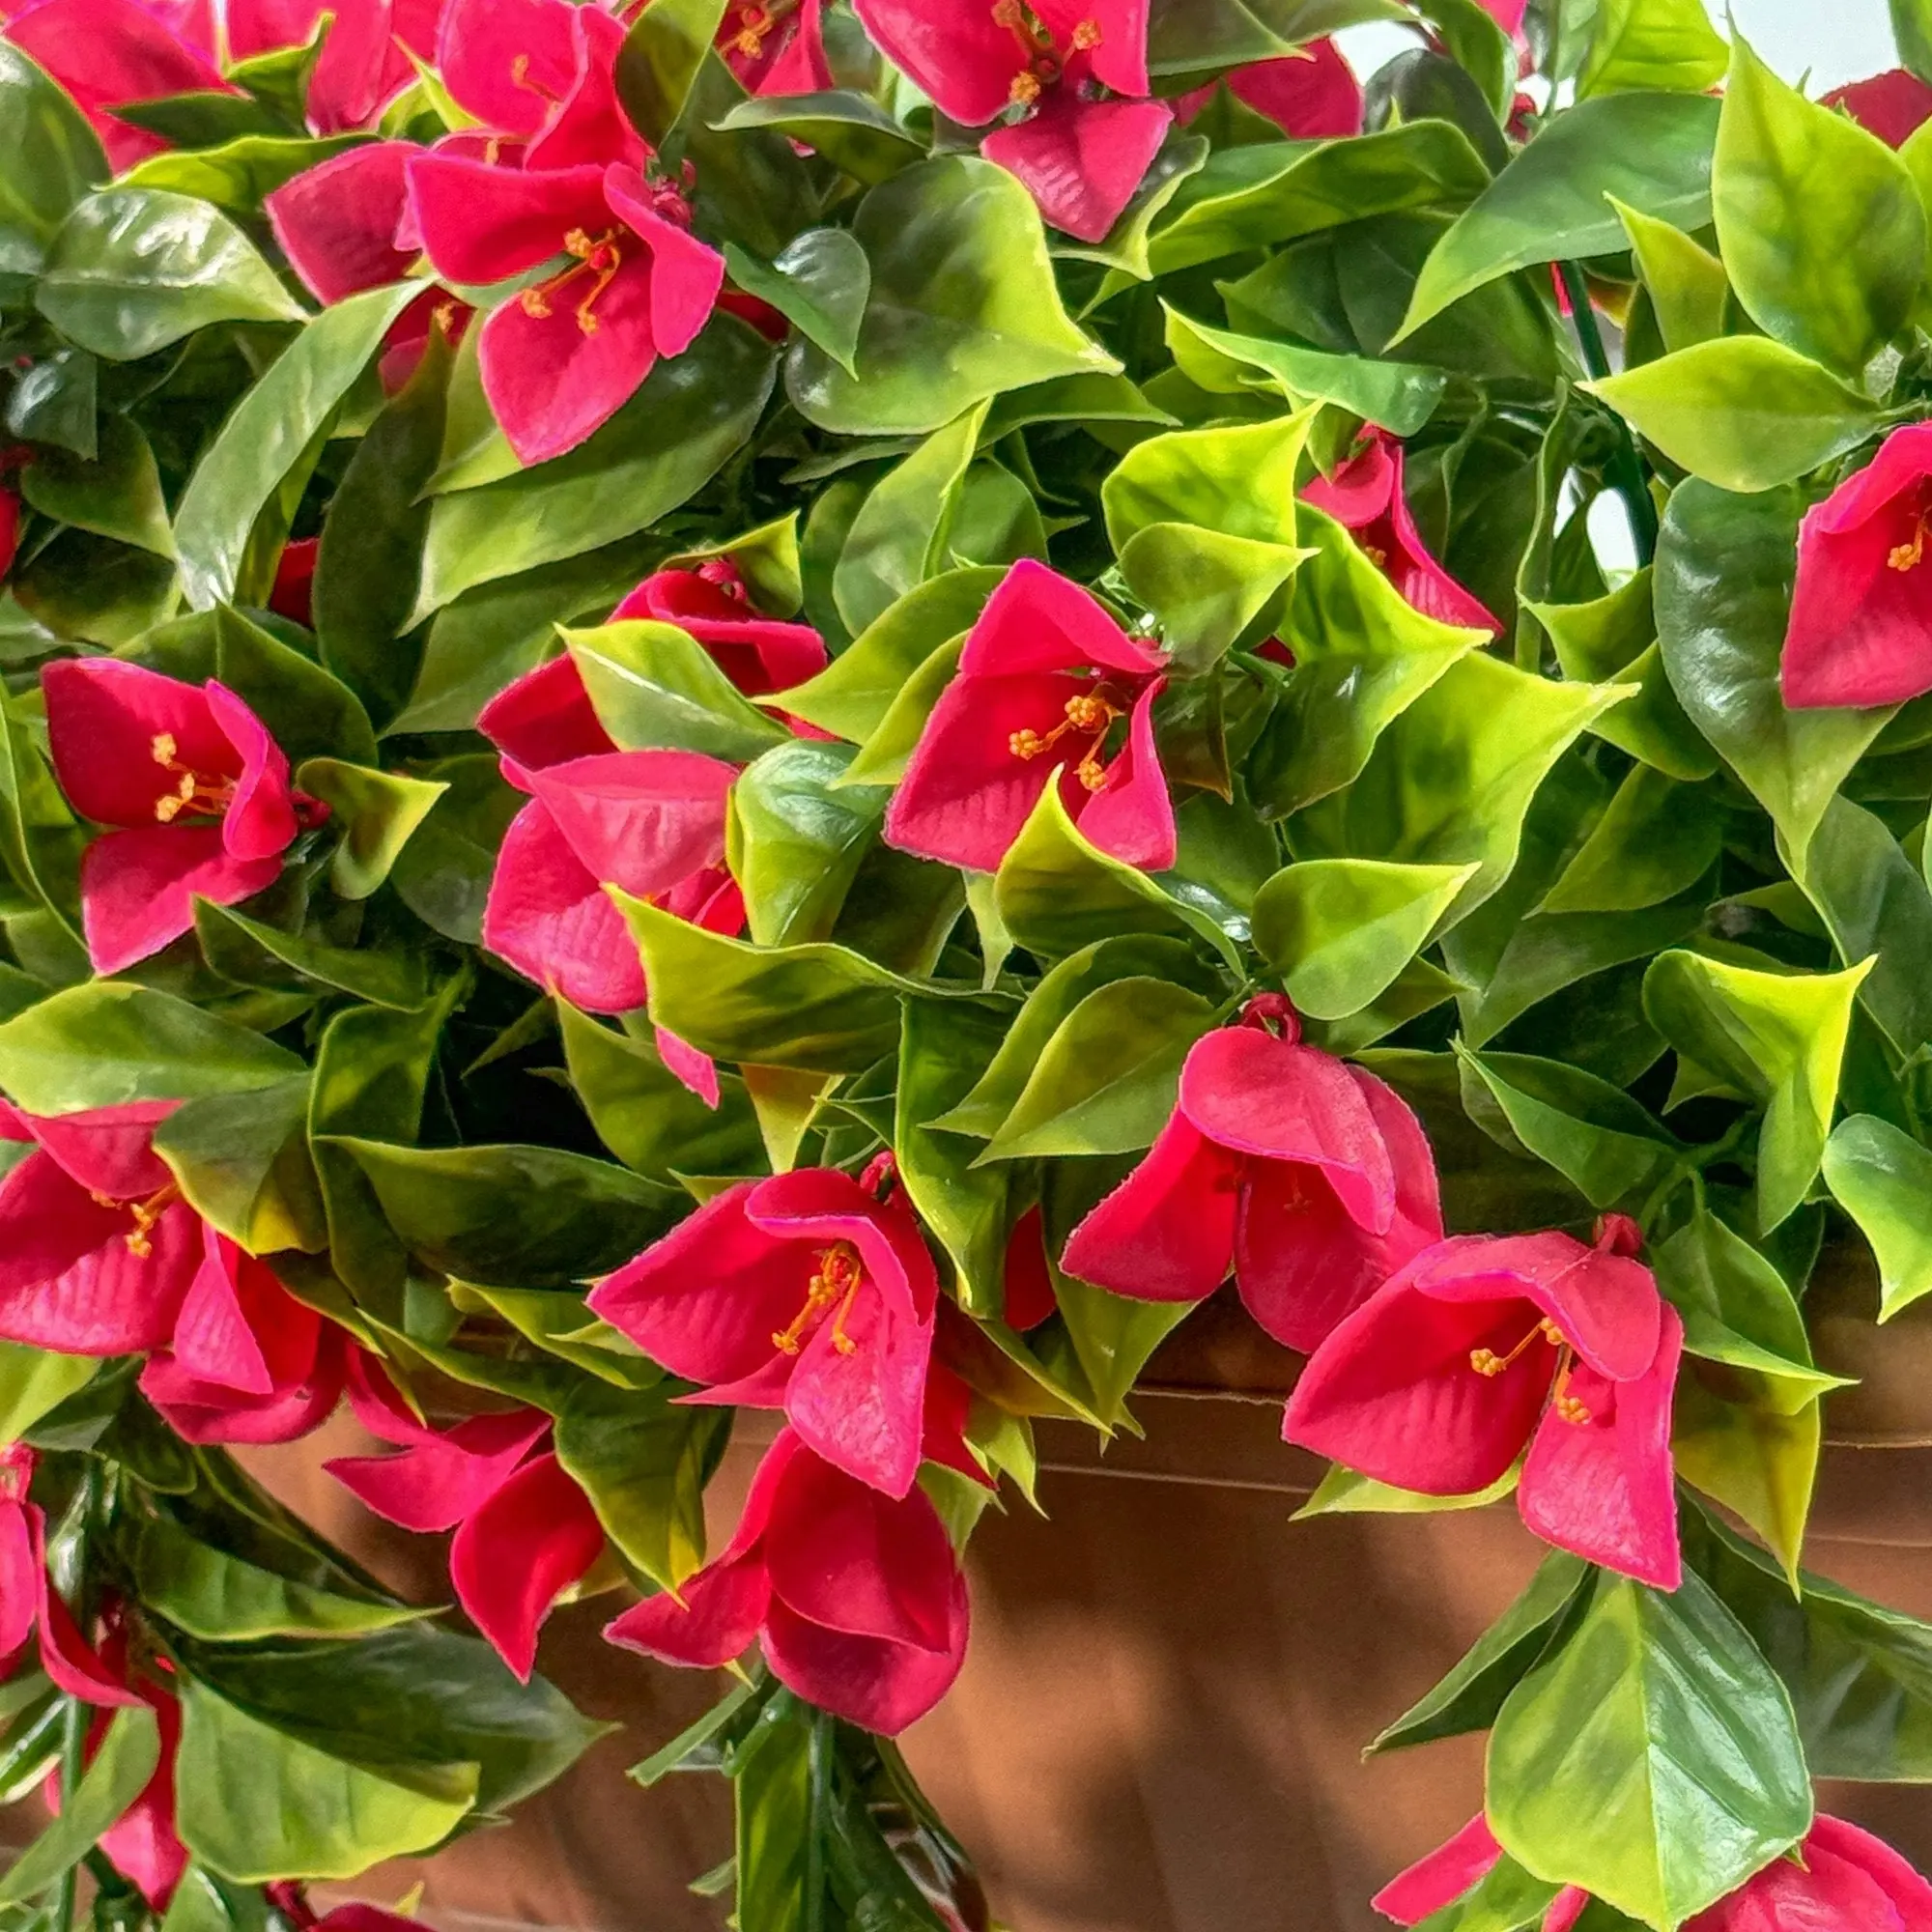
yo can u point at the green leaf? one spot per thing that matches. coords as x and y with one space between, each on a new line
1469 1697
643 1460
116 493
378 812
820 282
1778 1038
106 1043
1858 1675
239 174
692 413
256 1803
1258 197
849 130
222 1598
133 269
1741 412
1398 396
1876 906
118 1774
253 955
1666 45
853 694
1343 929
49 157
1819 223
1056 893
1343 1492
1450 781
1653 1759
884 756
1106 1081
1912 29
308 713
1363 655
372 1070
902 534
655 688
1746 1428
1606 1144
1657 838
33 1383
645 1115
443 873
243 1164
962 305
660 60
818 1007
1724 570
522 1216
268 434
1651 151
369 563
1686 284
1882 1178
797 839
945 1053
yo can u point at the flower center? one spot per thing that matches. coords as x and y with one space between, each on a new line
193 793
1043 63
1088 716
838 1277
140 1237
721 574
1487 1363
755 24
595 255
1910 555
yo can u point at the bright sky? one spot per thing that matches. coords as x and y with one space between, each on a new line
1837 40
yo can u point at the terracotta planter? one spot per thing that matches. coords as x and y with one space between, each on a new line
1160 1721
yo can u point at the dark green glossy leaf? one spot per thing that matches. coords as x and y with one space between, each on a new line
694 412
49 157
1469 1697
241 173
133 269
368 566
106 1043
645 1115
1656 840
117 1775
820 282
932 344
1653 1759
643 1460
117 495
849 130
267 436
443 873
524 1216
243 1164
1725 572
1882 1178
797 839
1651 151
660 60
654 687
253 955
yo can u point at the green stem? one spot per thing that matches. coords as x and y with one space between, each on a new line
1627 473
72 1762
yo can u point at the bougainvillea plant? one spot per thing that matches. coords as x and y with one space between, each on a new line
820 708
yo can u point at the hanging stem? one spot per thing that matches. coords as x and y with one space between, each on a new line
1627 474
73 1731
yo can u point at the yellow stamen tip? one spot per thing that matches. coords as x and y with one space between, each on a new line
1486 1361
845 1343
534 304
139 1245
164 747
1025 90
1085 37
165 809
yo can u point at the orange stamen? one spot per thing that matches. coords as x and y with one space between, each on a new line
193 792
1487 1362
1085 37
1036 44
1088 716
754 25
139 1239
1909 555
837 1278
597 255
